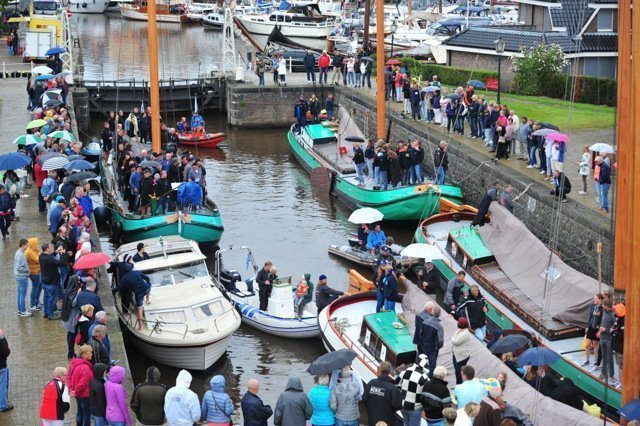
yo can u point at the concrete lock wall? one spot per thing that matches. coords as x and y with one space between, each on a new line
579 228
252 106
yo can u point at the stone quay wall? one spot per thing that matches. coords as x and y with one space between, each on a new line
579 228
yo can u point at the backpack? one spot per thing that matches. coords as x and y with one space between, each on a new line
70 293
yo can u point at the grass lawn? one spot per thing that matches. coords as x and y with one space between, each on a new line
566 115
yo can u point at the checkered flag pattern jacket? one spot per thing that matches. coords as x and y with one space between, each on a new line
411 381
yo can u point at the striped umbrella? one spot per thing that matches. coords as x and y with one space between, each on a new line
55 163
40 159
62 134
27 140
35 124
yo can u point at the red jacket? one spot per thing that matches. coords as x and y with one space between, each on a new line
324 61
78 377
40 174
52 407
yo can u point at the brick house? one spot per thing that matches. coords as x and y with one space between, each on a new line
585 30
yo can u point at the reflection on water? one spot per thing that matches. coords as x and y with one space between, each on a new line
115 48
267 202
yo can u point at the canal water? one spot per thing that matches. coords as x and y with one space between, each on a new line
268 203
266 200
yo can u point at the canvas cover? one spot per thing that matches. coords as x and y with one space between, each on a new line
348 127
524 260
541 409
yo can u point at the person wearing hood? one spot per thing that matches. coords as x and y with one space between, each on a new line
147 401
181 405
293 407
32 254
411 382
80 373
319 397
97 398
117 409
304 294
217 406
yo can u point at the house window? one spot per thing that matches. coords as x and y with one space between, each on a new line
605 20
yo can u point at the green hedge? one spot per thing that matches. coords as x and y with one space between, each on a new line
590 90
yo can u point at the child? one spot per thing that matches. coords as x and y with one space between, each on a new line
304 294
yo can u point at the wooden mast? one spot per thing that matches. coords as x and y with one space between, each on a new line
627 208
380 80
367 18
154 84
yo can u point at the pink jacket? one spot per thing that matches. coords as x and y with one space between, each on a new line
117 408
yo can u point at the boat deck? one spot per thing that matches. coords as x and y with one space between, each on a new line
329 152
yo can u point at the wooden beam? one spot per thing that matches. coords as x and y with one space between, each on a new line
154 85
627 226
367 19
380 80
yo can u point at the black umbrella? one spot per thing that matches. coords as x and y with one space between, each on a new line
453 96
332 361
52 103
510 343
354 139
367 59
80 176
548 126
150 164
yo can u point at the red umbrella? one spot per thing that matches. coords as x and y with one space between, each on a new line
91 260
393 62
557 137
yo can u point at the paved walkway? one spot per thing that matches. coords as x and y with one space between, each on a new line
577 140
37 345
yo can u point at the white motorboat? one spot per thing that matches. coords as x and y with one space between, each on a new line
88 6
280 318
188 322
213 20
196 11
165 12
296 22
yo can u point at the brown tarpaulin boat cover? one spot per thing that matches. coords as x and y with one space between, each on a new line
542 410
524 260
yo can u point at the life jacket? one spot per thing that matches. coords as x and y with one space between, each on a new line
302 289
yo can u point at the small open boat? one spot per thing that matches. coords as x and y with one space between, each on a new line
200 139
515 292
353 253
279 319
188 323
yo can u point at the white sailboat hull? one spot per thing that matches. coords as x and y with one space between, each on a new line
131 12
288 29
88 6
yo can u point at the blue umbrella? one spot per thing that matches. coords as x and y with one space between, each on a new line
44 77
430 89
14 160
79 165
476 84
631 411
55 51
538 356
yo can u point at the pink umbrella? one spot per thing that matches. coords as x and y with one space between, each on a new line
557 137
91 260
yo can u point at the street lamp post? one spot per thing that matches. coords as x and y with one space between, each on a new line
500 45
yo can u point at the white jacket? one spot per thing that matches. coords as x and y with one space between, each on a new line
181 404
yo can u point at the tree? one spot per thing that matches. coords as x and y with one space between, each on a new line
536 67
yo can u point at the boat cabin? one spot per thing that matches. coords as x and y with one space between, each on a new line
387 338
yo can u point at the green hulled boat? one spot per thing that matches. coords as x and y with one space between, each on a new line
318 149
203 225
520 304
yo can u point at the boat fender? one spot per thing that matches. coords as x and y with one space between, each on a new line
116 231
332 185
102 215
